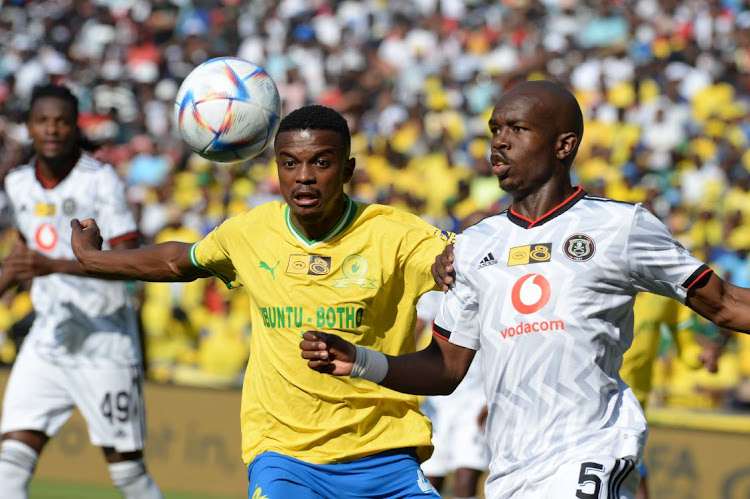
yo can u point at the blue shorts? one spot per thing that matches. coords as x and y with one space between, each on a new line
391 474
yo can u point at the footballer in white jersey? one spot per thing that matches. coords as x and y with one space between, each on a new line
546 290
83 349
80 321
550 303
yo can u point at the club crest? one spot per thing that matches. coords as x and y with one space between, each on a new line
579 248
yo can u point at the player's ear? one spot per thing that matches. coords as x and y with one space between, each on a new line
566 144
349 169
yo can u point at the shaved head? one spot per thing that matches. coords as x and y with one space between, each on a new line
552 103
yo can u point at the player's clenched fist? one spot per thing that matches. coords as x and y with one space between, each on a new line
328 353
85 237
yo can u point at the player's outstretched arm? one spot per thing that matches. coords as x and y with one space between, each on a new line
157 262
436 370
724 304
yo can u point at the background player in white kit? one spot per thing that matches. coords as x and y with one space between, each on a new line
457 419
553 314
457 434
83 348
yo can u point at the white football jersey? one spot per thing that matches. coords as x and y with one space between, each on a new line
80 321
471 387
550 303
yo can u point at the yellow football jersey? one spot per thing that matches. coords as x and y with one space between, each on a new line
361 281
651 311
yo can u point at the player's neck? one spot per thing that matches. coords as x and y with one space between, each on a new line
314 230
536 204
52 171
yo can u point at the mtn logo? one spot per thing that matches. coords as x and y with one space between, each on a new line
488 259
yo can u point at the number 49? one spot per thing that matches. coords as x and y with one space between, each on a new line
120 408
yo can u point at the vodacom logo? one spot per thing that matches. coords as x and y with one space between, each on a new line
46 237
530 293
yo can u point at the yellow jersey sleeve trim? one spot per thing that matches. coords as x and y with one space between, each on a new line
194 261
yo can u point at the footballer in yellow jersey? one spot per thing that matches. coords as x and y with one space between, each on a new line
317 262
650 312
358 281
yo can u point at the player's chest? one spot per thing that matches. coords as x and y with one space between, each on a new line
563 260
43 215
285 270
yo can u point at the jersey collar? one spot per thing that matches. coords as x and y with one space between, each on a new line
558 210
337 229
51 184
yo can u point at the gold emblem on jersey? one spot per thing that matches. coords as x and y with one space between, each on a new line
309 264
44 210
355 269
531 253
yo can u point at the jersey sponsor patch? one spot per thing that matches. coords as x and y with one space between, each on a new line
44 210
309 264
579 248
530 293
46 237
531 253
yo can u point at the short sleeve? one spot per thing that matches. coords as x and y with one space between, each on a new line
429 305
458 319
212 254
658 263
419 250
114 217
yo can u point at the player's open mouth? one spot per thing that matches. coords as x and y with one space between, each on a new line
305 199
500 165
500 169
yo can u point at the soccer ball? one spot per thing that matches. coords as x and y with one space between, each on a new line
227 109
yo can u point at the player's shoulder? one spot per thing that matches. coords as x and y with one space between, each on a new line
269 213
19 175
486 226
89 165
605 204
391 220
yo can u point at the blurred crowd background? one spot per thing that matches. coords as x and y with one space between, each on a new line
664 86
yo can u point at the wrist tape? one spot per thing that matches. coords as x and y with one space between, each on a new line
370 365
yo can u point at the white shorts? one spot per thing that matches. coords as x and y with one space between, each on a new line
458 440
596 477
41 396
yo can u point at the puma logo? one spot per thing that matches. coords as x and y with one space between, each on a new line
265 266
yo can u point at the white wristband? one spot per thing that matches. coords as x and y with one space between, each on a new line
370 365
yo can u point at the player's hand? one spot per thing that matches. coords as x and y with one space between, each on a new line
442 270
327 353
85 237
709 356
24 263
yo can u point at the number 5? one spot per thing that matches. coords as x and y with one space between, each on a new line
585 477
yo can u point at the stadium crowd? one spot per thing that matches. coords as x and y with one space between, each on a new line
664 86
